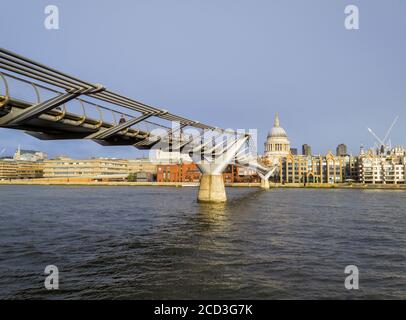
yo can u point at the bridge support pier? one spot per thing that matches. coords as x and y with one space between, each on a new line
265 177
265 184
212 189
212 161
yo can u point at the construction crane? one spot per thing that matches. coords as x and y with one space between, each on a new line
384 144
2 151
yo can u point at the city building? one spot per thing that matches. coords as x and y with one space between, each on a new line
367 168
306 150
15 169
141 170
179 172
370 167
160 156
141 177
398 151
351 168
29 155
311 169
277 144
341 150
189 172
381 168
8 169
141 165
247 175
97 169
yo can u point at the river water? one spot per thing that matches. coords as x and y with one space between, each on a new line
159 243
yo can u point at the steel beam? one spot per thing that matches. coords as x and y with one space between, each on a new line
105 134
40 108
147 141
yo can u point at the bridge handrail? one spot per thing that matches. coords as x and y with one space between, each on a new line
29 68
35 85
6 98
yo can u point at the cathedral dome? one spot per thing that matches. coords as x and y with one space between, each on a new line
277 132
277 143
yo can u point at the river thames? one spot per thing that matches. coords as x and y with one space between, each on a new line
159 243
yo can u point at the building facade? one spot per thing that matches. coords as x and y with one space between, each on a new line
301 169
180 172
341 150
160 156
96 168
306 150
141 170
189 172
382 169
29 155
15 169
141 165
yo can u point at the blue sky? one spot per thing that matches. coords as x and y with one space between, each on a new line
229 63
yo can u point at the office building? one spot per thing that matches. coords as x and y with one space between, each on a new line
311 169
306 150
29 155
382 168
341 150
92 169
15 169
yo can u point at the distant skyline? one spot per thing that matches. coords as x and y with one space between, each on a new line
228 63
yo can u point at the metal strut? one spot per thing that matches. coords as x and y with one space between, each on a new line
112 131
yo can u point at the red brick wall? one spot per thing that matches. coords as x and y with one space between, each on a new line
188 172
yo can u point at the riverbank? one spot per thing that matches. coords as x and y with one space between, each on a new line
342 186
76 182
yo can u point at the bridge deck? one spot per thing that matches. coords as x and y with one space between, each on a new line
48 118
56 124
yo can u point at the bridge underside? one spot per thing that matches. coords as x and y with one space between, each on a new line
58 125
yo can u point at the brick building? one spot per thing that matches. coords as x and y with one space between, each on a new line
189 172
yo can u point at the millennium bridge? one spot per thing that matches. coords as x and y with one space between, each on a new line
52 105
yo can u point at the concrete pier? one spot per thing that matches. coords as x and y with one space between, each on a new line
212 188
265 184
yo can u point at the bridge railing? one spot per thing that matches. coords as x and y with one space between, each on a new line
57 96
31 93
33 70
